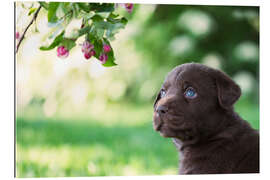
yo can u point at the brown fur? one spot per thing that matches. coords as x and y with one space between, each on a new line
210 136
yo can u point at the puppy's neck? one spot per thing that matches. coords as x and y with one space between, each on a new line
181 145
219 132
220 121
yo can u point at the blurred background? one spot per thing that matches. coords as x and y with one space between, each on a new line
77 118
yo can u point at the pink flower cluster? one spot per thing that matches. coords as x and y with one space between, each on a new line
88 49
62 52
127 6
104 57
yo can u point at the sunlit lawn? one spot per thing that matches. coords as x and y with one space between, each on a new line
90 147
53 147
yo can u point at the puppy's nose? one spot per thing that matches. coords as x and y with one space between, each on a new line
162 109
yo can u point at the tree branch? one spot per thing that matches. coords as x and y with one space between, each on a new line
31 22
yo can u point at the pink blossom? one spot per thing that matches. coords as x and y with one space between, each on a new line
87 47
62 52
92 52
17 35
129 7
103 58
106 48
87 55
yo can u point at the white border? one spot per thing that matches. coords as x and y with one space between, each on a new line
264 87
7 87
7 90
187 2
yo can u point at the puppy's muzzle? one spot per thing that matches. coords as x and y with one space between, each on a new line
159 112
161 109
158 123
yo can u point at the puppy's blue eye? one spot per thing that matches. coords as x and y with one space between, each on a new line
190 93
162 93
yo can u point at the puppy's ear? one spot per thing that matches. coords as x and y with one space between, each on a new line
228 91
157 98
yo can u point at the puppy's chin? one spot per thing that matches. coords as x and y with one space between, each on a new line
157 122
183 135
160 125
165 132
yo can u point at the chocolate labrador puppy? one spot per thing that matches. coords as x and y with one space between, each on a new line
195 108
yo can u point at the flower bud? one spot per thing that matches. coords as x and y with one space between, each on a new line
106 48
103 58
87 47
87 55
129 7
62 52
92 52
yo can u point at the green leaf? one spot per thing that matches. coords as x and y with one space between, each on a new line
68 43
84 30
75 9
65 7
122 20
89 15
36 29
98 45
102 25
23 5
31 11
97 18
92 38
55 42
104 7
84 6
110 62
53 6
112 15
55 24
100 33
104 15
112 27
107 41
109 34
44 5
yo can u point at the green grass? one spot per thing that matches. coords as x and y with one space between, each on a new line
87 148
109 145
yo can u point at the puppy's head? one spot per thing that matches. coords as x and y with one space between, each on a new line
191 95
